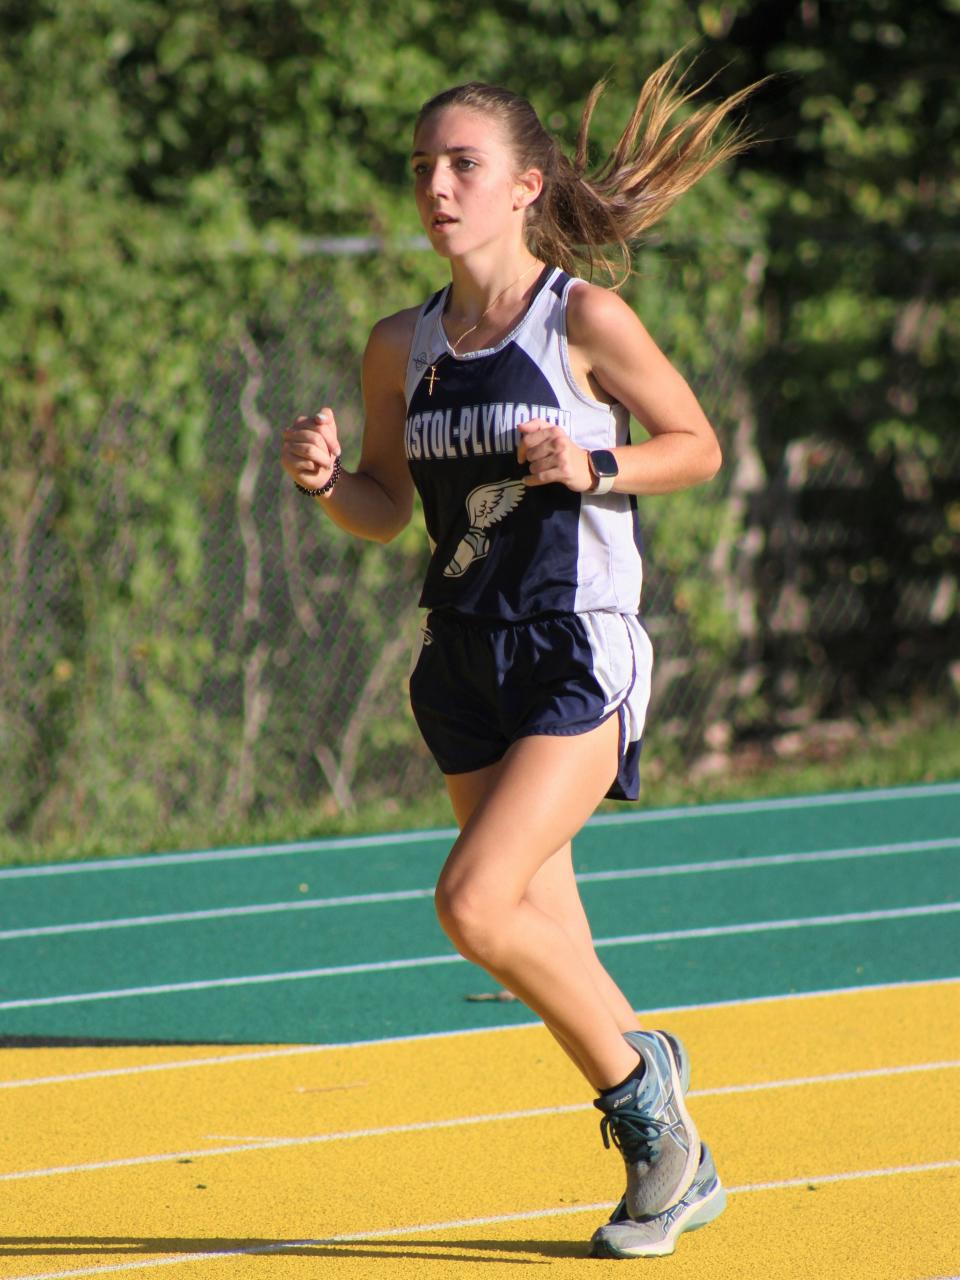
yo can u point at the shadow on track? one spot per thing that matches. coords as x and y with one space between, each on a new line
462 1251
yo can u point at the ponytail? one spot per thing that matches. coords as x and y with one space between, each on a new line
581 217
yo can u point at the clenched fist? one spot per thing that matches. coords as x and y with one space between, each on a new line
310 449
553 457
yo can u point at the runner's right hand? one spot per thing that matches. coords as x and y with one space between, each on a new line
309 449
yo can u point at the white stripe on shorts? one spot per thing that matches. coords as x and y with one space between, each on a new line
623 664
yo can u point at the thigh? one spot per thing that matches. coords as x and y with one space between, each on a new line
516 815
553 888
466 790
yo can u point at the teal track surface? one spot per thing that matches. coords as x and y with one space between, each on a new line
335 941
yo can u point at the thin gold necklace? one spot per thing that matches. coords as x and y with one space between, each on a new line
432 378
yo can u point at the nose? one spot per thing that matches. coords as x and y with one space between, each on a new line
435 183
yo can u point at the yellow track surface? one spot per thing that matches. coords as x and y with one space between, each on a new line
833 1120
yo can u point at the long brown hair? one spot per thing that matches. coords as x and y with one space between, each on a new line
579 216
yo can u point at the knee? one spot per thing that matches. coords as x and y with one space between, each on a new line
471 919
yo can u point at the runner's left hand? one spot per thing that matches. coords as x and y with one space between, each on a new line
553 457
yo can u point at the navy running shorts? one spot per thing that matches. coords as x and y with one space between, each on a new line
476 688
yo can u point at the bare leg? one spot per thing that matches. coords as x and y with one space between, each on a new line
541 793
553 890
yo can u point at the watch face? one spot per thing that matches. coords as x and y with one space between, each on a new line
603 463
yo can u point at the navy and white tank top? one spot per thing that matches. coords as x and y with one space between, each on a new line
503 551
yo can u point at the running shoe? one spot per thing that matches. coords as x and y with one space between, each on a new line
677 1048
655 1235
648 1121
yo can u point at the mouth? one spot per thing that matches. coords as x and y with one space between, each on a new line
440 221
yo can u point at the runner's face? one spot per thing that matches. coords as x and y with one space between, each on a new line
467 192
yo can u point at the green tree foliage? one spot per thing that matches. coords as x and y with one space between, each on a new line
170 172
857 362
862 180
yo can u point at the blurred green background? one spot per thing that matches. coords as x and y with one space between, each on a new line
205 204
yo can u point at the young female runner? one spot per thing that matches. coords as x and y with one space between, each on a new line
505 400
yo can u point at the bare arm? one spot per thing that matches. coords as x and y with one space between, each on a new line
613 356
376 500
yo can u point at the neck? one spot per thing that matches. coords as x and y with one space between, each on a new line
477 286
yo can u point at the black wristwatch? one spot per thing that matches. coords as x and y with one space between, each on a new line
603 466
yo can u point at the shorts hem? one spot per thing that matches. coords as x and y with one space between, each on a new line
474 768
570 731
559 731
625 785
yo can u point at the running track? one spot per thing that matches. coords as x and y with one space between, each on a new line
263 1061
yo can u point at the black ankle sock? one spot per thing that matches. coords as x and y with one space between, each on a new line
637 1073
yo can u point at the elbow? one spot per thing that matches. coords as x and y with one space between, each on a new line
712 461
387 532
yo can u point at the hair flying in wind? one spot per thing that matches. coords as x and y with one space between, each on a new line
581 217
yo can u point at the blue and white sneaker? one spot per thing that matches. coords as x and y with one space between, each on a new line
648 1121
677 1048
656 1235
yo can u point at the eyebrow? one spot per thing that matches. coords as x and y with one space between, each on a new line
448 151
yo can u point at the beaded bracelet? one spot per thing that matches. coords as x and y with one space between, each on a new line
335 475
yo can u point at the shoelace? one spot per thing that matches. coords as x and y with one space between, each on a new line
635 1135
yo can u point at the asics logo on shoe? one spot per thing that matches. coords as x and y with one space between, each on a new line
673 1127
670 1215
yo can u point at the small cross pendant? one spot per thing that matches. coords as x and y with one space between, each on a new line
432 377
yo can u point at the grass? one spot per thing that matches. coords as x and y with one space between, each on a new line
908 749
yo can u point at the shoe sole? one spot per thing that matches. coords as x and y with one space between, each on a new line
699 1215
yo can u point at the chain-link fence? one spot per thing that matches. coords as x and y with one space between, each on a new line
197 659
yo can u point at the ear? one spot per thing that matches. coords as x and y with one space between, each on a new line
527 188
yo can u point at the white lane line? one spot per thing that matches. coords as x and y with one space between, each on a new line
754 861
332 844
275 1144
256 979
782 804
341 843
934 1166
424 1126
220 1060
772 926
289 1051
417 962
406 895
459 1224
822 1179
820 994
835 1077
218 913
